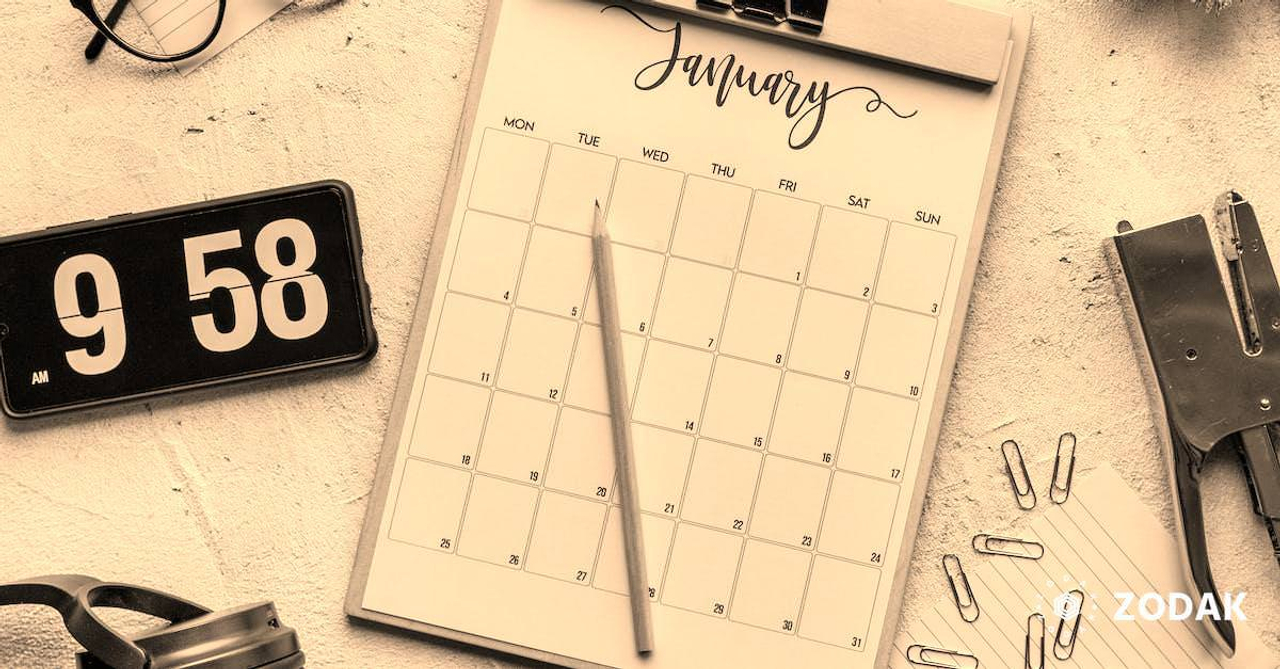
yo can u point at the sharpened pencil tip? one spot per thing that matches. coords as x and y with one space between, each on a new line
597 226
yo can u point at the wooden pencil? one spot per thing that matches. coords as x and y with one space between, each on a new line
620 416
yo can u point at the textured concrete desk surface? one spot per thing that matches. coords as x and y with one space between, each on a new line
1138 110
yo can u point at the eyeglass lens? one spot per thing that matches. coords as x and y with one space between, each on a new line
160 27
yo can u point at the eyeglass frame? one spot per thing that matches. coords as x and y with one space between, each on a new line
106 32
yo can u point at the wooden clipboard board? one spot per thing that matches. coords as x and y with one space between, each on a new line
975 67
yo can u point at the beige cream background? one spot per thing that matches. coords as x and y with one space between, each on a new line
1138 110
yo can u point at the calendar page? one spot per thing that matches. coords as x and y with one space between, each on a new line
790 230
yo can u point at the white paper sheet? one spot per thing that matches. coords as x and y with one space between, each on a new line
1103 540
171 21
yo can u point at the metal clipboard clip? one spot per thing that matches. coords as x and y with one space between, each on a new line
803 14
1215 365
951 37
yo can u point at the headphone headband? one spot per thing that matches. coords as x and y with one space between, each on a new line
246 637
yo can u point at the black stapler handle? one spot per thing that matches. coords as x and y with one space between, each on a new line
1185 465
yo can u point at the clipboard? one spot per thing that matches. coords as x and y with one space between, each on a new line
985 61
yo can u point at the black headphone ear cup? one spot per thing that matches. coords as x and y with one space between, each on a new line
245 637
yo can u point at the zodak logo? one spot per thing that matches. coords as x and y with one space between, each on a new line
1066 607
1073 601
1149 606
1178 606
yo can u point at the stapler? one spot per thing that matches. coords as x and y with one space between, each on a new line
1212 353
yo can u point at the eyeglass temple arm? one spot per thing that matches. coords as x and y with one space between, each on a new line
99 40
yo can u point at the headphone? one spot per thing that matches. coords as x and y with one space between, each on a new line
245 637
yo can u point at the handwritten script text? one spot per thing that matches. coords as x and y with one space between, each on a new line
805 103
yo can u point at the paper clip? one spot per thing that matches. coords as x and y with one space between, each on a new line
969 611
1022 490
1059 492
992 544
1034 621
1063 650
928 656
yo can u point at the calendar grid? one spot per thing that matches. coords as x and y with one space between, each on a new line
729 356
557 393
644 354
581 323
655 514
732 531
804 286
614 504
649 339
773 416
835 459
706 397
515 288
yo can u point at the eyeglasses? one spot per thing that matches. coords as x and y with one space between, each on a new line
162 31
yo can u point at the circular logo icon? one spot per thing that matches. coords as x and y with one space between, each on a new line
1066 606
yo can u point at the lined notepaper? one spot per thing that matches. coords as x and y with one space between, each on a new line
1102 541
177 24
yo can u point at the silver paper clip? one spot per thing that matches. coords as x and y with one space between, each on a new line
1060 486
992 544
1035 629
968 608
1023 491
928 656
1063 649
